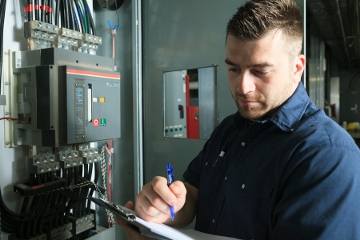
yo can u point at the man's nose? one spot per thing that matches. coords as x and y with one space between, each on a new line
246 83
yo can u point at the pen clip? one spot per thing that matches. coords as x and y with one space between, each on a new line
222 153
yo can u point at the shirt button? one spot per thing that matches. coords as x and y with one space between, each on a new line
213 221
243 144
225 178
243 186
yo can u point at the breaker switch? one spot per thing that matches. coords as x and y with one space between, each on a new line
181 109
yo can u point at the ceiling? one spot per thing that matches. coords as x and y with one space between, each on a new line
339 25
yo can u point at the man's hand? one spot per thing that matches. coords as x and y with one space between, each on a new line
152 203
131 232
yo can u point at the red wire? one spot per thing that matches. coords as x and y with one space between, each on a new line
7 118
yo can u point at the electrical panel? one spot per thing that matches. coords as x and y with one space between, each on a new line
67 98
61 100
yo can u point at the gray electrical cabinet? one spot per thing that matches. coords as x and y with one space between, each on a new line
65 97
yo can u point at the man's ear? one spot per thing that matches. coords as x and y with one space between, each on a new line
299 67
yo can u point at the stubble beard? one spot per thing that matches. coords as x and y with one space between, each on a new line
251 112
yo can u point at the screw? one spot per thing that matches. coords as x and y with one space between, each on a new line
7 143
6 113
6 83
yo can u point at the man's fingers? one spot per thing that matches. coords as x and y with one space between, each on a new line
160 186
129 205
178 189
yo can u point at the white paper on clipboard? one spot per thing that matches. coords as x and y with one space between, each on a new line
154 230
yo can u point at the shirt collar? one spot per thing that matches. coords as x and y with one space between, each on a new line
287 116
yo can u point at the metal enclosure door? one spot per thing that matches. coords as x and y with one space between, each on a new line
207 101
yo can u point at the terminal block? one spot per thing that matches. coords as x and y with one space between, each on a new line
69 163
89 155
68 39
42 164
61 233
68 158
82 224
40 35
92 159
89 44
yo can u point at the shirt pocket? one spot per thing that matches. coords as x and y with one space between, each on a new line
250 183
251 191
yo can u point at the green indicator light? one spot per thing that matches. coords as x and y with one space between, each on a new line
175 129
103 122
180 129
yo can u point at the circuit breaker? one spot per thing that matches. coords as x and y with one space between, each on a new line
65 97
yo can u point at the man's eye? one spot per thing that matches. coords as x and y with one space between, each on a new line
232 69
261 73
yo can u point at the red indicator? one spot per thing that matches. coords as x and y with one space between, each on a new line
95 122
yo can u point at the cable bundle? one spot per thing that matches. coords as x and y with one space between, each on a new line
40 10
75 15
70 14
53 209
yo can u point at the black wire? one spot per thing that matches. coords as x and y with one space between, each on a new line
28 10
32 10
89 18
2 20
5 211
44 12
48 200
66 14
36 10
72 16
57 11
50 12
25 204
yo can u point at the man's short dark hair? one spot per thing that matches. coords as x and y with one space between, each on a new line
256 18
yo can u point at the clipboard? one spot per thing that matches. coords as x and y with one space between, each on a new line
152 230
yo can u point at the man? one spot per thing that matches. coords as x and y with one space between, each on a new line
279 168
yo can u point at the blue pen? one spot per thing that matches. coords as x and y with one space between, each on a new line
170 179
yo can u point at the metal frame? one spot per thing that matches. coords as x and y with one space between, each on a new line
137 96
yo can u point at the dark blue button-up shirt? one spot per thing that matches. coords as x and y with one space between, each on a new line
295 175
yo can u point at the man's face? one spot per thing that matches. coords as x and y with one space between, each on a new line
261 73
